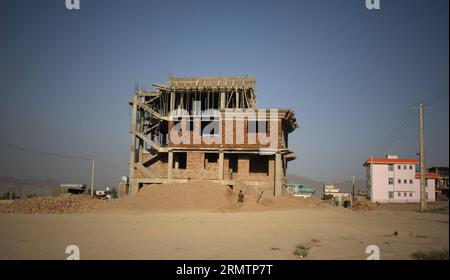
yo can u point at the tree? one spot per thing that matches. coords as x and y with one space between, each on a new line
8 195
114 193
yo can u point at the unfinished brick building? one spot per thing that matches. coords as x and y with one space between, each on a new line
208 128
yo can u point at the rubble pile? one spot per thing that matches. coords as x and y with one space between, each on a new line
365 205
52 205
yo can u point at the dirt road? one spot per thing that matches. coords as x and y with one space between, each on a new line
331 234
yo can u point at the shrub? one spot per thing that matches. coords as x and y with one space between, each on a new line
301 250
431 255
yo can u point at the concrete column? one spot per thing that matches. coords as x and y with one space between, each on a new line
134 188
169 164
141 125
222 100
140 153
237 99
172 102
133 144
278 184
221 165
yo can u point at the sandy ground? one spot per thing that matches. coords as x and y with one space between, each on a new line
334 233
6 202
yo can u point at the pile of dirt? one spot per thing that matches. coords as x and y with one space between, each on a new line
365 205
204 196
192 196
288 202
186 196
52 205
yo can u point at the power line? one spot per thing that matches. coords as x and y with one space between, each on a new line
391 136
24 149
410 116
440 92
59 155
406 126
435 99
111 166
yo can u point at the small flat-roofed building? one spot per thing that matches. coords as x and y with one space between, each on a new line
335 192
300 190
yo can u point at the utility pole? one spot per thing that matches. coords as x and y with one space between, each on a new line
423 200
353 186
92 177
10 190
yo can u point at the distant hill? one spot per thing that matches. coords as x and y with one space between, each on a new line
318 185
28 186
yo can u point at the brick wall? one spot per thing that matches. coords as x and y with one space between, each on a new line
197 167
158 166
225 139
244 173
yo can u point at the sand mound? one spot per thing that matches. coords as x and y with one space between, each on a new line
288 202
365 205
52 205
203 196
186 196
192 196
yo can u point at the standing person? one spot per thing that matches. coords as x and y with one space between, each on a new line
241 197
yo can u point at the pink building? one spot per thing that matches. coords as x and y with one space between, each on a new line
394 180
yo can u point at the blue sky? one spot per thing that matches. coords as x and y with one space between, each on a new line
349 73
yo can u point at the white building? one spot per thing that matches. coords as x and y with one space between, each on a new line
334 191
392 179
299 190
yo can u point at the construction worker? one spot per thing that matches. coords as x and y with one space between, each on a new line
241 197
